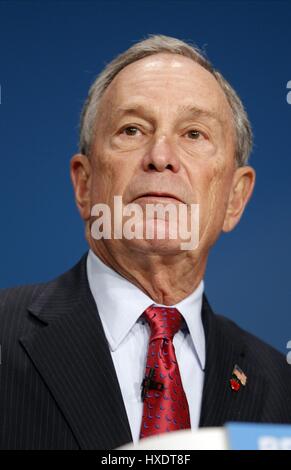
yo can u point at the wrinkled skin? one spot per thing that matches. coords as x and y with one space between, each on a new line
151 136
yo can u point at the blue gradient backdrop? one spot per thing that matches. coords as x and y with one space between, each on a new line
51 51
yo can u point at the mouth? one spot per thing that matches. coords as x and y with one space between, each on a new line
159 196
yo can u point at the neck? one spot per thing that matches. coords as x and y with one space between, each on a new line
165 278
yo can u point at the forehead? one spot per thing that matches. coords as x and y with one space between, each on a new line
168 79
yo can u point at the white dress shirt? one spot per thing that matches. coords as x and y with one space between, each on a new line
120 305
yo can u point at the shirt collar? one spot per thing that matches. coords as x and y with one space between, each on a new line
120 304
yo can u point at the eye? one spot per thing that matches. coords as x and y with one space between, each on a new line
130 130
194 134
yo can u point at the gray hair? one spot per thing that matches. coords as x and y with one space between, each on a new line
156 44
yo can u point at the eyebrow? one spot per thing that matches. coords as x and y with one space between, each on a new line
194 111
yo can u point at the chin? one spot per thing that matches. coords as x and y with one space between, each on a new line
158 239
155 246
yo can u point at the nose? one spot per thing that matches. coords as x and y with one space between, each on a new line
161 156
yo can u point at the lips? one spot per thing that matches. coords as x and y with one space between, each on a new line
159 195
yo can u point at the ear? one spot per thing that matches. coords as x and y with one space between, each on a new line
80 169
242 187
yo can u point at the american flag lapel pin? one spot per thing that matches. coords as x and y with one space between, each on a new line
238 378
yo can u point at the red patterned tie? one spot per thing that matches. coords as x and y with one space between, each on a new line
165 405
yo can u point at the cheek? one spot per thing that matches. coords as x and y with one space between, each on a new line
102 177
214 192
110 177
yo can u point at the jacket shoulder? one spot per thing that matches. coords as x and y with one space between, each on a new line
20 297
264 356
14 302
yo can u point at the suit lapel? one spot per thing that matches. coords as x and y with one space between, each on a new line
224 350
68 347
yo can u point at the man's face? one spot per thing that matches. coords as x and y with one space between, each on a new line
164 126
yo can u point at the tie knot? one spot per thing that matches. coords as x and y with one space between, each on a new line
164 321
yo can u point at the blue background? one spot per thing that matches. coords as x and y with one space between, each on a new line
50 53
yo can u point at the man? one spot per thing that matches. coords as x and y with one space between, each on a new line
125 344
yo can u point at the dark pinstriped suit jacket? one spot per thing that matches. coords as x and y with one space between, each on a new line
59 389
